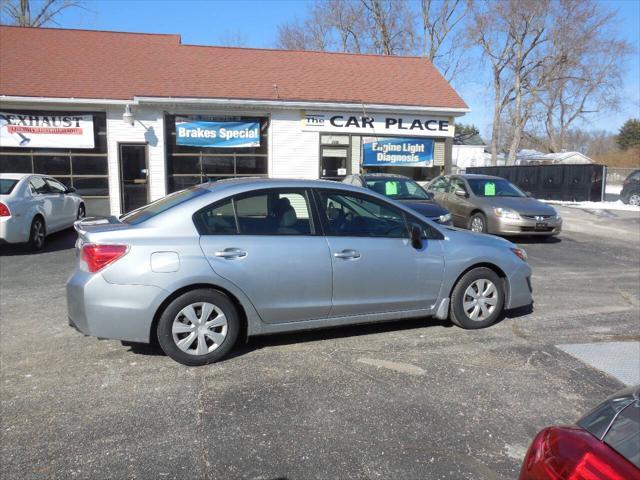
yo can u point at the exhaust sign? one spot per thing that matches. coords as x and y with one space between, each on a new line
46 131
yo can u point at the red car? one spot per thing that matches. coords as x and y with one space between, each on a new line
604 445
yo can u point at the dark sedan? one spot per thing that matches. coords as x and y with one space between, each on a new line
404 190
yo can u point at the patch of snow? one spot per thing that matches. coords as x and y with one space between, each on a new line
613 189
617 205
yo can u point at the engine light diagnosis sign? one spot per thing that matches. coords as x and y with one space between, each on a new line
223 134
398 152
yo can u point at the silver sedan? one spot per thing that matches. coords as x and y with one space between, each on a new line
200 268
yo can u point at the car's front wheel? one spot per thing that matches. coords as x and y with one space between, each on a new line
478 223
82 212
198 327
477 299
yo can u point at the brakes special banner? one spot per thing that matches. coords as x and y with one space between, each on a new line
46 131
399 152
200 133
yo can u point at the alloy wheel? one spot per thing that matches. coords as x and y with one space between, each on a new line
37 234
81 212
199 328
634 199
480 299
477 225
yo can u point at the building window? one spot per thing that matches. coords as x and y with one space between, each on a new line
192 164
335 158
85 169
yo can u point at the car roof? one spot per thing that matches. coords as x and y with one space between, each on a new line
478 176
383 175
254 183
15 176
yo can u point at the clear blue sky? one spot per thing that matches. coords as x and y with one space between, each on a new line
255 22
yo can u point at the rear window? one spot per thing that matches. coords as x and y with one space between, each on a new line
624 434
7 185
147 212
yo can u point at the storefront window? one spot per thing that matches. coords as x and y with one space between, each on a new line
198 162
85 169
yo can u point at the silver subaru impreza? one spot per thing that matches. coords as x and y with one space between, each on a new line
202 267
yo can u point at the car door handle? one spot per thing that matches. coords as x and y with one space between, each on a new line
231 253
347 254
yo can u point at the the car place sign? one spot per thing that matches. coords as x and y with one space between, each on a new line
46 131
413 126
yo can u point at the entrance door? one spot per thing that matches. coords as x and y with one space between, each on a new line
334 163
134 185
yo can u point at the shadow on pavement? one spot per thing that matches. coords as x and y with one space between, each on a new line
55 242
533 239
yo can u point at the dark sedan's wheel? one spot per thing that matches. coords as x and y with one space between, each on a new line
198 327
37 234
477 299
81 212
633 198
478 223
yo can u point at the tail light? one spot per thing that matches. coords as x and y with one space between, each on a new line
4 210
571 453
95 257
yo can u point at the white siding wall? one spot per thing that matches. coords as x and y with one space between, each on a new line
148 128
292 152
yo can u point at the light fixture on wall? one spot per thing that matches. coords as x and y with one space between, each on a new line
127 116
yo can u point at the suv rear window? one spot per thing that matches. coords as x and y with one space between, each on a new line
7 185
147 212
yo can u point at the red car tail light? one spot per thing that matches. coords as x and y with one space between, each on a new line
4 210
97 256
571 453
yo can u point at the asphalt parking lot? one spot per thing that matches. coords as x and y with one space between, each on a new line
416 399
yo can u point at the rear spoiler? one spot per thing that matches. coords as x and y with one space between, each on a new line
95 224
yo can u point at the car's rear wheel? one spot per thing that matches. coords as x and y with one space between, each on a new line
477 299
37 234
81 212
198 327
478 223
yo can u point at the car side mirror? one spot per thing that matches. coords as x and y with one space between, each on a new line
461 193
416 236
70 190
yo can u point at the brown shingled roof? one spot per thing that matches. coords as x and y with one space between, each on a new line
48 62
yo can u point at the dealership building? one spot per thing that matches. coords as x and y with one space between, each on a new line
126 118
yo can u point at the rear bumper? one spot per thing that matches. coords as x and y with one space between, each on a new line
520 291
524 226
13 230
106 310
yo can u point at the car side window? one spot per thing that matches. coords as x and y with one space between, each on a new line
457 184
55 186
439 185
271 212
347 214
38 186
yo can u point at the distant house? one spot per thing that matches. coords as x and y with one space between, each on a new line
468 152
533 157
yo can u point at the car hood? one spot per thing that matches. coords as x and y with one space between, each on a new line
476 238
523 205
425 207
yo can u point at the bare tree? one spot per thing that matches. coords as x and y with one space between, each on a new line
18 12
587 72
442 39
390 26
310 34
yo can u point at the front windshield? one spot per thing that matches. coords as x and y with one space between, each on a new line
143 214
494 187
397 188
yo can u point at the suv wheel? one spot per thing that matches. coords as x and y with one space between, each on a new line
198 327
633 198
477 299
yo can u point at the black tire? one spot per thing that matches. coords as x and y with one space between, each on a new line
37 234
459 316
632 198
479 217
82 212
171 312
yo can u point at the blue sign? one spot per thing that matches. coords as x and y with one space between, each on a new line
397 152
200 133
